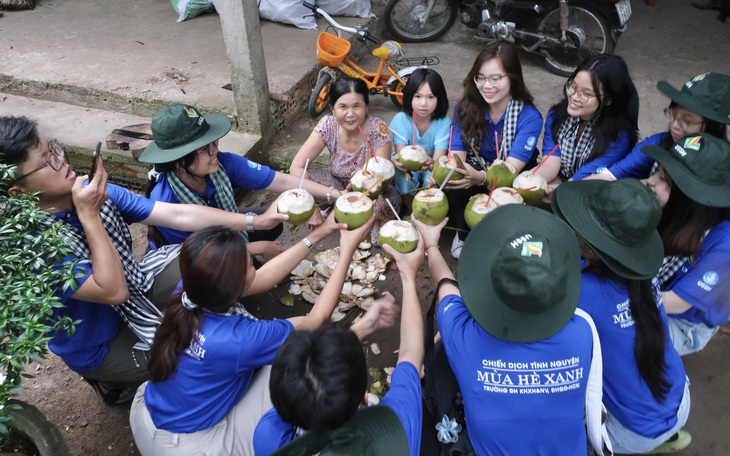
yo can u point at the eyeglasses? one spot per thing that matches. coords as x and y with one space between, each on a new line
493 79
209 148
683 124
572 89
56 159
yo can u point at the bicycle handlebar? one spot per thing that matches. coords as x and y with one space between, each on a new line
360 32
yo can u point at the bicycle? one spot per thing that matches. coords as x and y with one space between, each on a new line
332 52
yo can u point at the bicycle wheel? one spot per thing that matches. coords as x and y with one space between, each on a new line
588 34
320 96
402 19
397 86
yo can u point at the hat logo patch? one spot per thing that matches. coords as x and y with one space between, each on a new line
692 143
697 78
532 249
191 112
518 242
680 150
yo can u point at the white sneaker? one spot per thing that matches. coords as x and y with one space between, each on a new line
456 246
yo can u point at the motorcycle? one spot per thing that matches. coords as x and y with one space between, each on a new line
563 32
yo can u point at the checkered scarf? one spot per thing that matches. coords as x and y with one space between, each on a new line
572 155
509 131
138 312
223 192
670 266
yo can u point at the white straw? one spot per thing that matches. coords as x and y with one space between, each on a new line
448 176
392 208
301 181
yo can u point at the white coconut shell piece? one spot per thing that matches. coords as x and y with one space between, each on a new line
364 245
373 400
358 273
323 270
303 269
375 348
295 289
309 296
337 316
365 304
372 276
360 255
347 288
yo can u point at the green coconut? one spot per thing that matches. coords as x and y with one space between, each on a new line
527 180
504 172
382 167
430 206
412 158
363 180
477 208
443 165
353 209
297 204
400 235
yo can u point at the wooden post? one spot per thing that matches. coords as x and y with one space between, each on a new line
250 83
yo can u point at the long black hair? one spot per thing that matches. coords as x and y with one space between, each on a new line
651 337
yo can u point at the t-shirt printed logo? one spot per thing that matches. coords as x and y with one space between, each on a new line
254 165
530 142
709 279
196 350
534 377
532 249
692 143
622 317
191 112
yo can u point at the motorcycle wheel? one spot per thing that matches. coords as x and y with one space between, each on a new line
397 86
401 19
320 96
588 34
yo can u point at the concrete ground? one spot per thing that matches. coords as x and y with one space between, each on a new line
84 68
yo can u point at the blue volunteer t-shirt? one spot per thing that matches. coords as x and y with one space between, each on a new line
214 372
435 138
615 151
87 348
637 164
519 398
524 146
625 393
705 282
404 398
243 173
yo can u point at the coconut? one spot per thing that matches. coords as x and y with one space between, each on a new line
297 204
363 180
430 206
526 180
443 165
353 209
504 172
412 158
477 206
382 167
400 235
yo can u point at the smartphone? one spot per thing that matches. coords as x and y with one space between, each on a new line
94 160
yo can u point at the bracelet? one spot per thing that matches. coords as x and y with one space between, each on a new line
249 221
329 195
485 179
309 244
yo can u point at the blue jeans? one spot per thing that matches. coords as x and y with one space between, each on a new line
418 180
688 337
626 441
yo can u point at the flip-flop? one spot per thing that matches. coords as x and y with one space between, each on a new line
374 239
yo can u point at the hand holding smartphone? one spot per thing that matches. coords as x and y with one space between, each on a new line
95 157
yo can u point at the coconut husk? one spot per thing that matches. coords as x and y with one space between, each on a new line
17 4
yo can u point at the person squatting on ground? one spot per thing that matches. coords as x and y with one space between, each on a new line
319 379
348 133
645 386
702 105
113 288
190 168
210 362
514 338
693 188
495 119
425 97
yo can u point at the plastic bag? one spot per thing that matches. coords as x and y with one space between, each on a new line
287 12
355 8
187 9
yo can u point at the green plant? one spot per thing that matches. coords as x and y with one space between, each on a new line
29 279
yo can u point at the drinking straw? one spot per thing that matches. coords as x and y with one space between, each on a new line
392 208
451 135
413 143
301 181
367 192
545 158
365 139
448 176
494 185
524 190
496 145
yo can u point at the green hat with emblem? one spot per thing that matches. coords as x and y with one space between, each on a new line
699 165
707 94
179 129
618 220
519 273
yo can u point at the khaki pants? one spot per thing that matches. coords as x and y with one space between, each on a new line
233 435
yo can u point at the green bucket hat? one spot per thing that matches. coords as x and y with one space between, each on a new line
699 165
618 220
373 431
707 94
179 129
519 273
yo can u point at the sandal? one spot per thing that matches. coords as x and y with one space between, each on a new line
374 239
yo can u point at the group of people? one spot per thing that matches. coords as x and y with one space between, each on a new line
558 311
